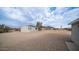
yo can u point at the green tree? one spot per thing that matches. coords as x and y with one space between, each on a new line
4 28
39 26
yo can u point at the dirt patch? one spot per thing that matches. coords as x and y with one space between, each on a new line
50 40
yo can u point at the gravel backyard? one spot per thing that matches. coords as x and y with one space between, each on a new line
50 40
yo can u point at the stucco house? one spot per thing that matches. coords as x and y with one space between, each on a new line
27 28
75 31
73 42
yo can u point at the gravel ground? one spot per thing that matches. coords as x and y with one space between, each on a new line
49 40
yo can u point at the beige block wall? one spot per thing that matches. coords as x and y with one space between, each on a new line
24 29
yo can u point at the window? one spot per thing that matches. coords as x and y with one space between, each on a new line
29 28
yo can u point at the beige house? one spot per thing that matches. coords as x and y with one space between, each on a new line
27 28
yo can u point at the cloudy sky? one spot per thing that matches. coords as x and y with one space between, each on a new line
49 16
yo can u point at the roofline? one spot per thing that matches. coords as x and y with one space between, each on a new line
74 21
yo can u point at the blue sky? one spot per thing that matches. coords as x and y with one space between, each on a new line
49 16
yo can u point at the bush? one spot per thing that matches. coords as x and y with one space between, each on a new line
4 28
1 30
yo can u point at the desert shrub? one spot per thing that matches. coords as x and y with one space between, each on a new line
1 30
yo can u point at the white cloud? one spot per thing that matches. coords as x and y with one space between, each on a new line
72 14
14 14
56 18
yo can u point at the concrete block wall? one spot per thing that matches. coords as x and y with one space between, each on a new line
75 34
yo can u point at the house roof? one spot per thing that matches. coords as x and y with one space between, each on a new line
75 21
